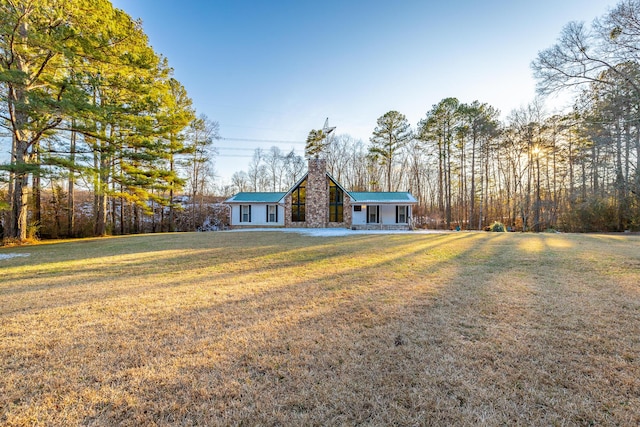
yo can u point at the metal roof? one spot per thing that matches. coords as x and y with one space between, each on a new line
382 197
265 197
356 197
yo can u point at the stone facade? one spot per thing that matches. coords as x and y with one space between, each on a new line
317 211
287 212
317 200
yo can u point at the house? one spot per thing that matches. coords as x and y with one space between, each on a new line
317 200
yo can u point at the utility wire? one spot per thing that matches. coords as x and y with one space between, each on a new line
237 148
272 141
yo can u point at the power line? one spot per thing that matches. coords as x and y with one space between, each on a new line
237 148
272 141
235 156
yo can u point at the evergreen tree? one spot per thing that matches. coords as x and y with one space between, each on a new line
49 51
390 136
316 143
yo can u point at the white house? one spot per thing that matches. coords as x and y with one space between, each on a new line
257 209
318 201
392 210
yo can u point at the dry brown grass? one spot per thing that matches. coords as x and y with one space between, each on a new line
283 329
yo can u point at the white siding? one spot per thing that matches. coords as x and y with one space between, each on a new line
387 214
359 218
258 215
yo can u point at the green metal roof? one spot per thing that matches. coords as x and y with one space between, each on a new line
356 197
382 197
256 197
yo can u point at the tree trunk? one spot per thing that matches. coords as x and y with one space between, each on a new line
20 196
36 189
472 194
12 177
440 177
172 226
71 186
448 187
101 196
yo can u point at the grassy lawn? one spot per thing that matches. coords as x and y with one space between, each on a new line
267 328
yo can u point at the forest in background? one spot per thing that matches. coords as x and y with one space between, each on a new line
533 171
105 141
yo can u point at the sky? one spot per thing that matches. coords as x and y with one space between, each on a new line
270 71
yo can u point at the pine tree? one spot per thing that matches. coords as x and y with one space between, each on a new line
316 143
54 58
391 135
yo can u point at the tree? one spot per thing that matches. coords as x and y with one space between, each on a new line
198 163
481 123
274 160
339 155
294 168
439 128
603 59
390 136
582 54
44 48
316 143
240 181
123 129
176 113
255 169
32 39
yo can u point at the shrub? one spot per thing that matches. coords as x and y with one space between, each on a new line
498 226
33 230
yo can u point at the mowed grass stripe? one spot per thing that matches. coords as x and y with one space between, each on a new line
279 328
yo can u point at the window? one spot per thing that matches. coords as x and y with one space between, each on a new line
245 213
336 200
402 213
298 201
272 213
357 208
373 214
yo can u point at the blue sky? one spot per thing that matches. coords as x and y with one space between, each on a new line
274 70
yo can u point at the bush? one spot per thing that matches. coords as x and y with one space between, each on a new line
595 214
498 226
33 230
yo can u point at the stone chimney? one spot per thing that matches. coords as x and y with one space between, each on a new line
317 204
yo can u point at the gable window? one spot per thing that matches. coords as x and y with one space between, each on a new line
336 201
272 213
298 202
402 214
245 213
373 214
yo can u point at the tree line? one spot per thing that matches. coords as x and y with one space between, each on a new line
533 171
85 99
576 171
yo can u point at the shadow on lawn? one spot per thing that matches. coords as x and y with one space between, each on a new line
253 367
125 273
436 329
344 321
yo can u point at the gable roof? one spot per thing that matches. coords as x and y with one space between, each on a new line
297 183
338 184
382 197
306 175
250 197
